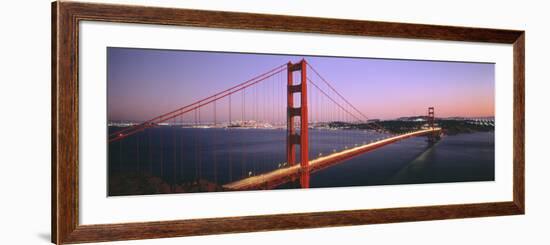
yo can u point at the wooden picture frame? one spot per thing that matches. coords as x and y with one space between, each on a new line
65 121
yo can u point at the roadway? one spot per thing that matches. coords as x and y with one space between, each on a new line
283 175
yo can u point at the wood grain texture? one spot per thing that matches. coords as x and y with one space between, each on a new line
54 122
234 20
519 122
65 121
162 229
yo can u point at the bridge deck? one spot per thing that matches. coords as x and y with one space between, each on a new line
280 176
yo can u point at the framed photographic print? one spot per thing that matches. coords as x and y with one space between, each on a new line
174 122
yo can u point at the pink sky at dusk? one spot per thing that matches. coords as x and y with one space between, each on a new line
143 83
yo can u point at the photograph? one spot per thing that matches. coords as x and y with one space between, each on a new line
189 121
275 122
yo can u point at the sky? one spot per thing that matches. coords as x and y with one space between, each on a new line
144 83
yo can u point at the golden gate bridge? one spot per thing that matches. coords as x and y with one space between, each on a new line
285 97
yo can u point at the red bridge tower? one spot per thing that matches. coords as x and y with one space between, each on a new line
293 138
431 117
435 135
